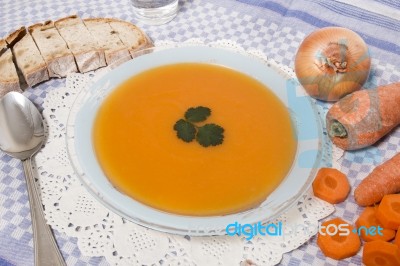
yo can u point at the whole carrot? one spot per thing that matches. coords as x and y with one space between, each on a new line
383 180
363 117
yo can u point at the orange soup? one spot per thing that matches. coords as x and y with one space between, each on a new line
142 156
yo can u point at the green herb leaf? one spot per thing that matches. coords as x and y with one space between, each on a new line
185 130
197 114
210 135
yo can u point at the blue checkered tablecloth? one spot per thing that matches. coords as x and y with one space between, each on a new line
275 27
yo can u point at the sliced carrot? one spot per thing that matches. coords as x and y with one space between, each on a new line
383 180
397 239
368 226
331 185
388 212
381 253
337 240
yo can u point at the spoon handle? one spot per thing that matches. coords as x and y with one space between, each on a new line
45 246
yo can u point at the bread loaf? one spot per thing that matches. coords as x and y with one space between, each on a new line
55 49
114 48
9 80
87 52
59 59
27 56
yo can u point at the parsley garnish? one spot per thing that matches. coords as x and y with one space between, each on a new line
210 135
197 114
185 130
206 135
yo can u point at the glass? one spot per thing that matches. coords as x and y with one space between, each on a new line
155 12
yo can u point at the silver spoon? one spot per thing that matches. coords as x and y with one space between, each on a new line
21 136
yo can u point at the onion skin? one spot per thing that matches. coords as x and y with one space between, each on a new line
332 62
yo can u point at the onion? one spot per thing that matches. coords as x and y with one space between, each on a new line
332 62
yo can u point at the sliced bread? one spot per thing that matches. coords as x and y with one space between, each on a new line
28 58
130 35
114 48
59 59
55 49
3 46
15 36
87 52
9 80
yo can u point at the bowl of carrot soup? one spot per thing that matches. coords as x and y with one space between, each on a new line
190 139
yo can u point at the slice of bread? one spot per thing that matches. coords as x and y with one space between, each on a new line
15 36
114 49
130 35
9 80
27 56
3 46
87 52
59 59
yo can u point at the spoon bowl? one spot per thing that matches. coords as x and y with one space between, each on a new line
22 131
21 136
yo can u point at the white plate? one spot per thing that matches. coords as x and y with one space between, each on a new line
302 173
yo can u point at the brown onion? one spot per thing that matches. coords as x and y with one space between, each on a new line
332 62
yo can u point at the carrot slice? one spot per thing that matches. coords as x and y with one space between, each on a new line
337 240
383 180
388 212
381 253
397 239
368 227
331 185
362 118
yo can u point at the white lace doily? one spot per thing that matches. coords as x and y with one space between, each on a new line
70 209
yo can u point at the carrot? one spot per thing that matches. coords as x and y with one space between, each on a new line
363 117
397 239
367 221
339 245
383 180
388 212
331 185
381 253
